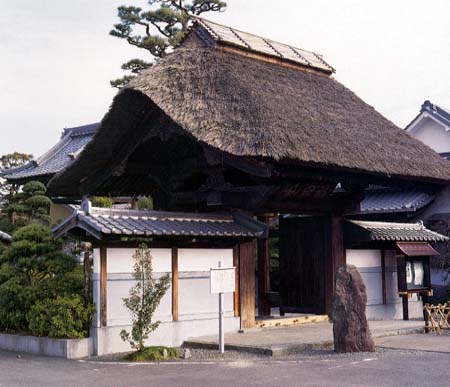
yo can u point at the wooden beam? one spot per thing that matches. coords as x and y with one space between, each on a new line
103 286
236 293
337 258
175 283
247 284
383 275
402 286
263 273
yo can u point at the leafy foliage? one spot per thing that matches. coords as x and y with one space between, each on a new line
34 275
102 201
61 317
156 353
143 300
163 27
29 204
145 203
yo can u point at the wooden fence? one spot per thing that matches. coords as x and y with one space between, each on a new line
437 317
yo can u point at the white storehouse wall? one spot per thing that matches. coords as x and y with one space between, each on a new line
198 309
368 263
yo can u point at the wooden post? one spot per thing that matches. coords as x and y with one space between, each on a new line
103 286
236 293
383 276
263 273
337 258
175 284
247 284
87 276
402 286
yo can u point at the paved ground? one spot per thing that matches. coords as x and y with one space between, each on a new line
431 342
284 340
389 368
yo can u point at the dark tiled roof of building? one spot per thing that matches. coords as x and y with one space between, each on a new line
440 114
260 45
407 232
437 112
72 142
387 201
100 222
4 237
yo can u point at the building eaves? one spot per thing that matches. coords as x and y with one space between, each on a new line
101 223
406 232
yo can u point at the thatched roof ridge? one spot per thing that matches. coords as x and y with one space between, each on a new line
244 106
248 107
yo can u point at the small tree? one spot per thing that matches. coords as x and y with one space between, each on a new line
163 27
144 298
30 203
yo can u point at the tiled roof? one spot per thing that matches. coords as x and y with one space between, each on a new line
386 201
437 112
100 222
407 232
72 142
250 42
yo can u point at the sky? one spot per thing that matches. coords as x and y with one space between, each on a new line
57 57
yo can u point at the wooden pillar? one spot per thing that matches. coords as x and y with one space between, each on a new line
175 283
247 284
263 273
383 276
336 258
402 286
236 292
103 286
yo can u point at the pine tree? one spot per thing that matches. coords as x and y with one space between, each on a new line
164 27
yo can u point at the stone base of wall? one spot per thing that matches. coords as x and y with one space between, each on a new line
65 348
171 334
394 311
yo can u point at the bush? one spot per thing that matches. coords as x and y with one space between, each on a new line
145 203
153 354
15 301
102 201
63 317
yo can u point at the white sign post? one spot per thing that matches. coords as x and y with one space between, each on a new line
222 280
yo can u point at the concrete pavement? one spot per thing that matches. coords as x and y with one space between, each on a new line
289 340
430 342
391 368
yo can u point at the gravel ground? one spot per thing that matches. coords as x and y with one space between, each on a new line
208 355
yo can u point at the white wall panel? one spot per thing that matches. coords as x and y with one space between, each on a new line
120 260
203 259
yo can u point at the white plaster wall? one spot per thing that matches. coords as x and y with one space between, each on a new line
198 309
368 263
203 259
438 277
432 134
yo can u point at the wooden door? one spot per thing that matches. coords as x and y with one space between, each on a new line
302 264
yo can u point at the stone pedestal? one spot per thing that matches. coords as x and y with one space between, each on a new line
350 328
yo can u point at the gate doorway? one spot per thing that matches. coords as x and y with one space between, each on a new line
302 261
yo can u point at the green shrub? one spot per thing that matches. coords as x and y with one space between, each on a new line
15 301
153 354
102 201
63 317
145 203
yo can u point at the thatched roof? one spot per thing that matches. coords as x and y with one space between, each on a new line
245 103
